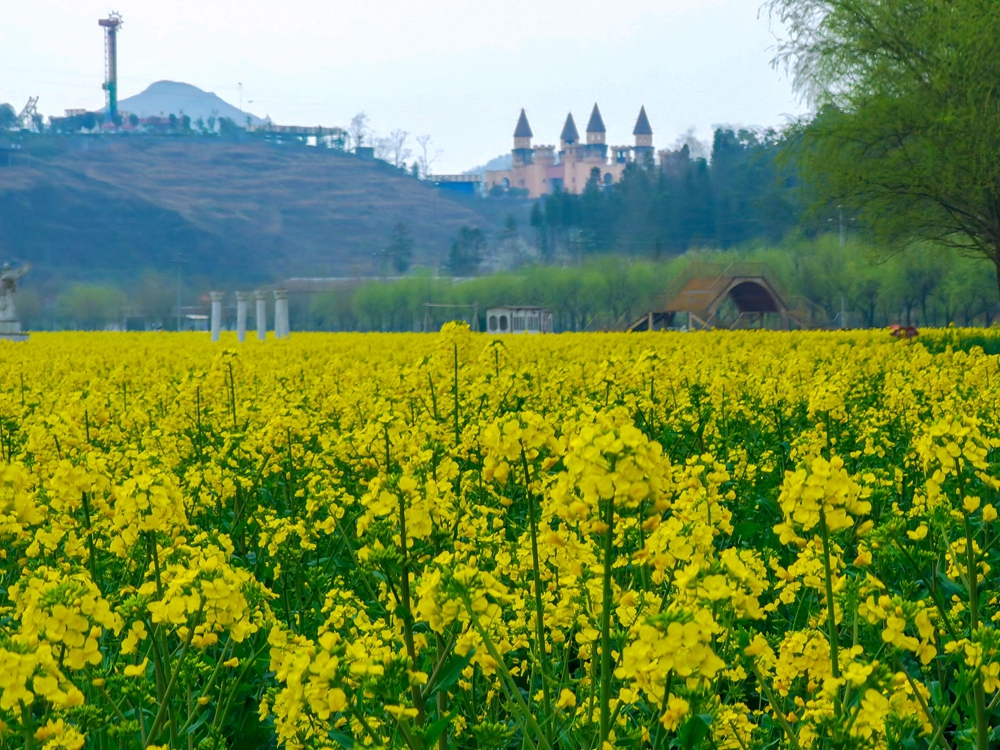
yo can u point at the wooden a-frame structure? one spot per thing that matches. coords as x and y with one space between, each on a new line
695 298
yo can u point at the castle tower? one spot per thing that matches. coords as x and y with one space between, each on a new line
570 135
545 155
522 154
596 150
596 131
643 139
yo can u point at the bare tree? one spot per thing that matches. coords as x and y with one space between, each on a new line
397 147
425 159
358 129
383 147
697 148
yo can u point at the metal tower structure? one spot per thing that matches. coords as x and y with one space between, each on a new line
29 113
111 25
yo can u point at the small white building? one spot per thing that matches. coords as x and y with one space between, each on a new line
521 319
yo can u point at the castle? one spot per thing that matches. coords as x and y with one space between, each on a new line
537 171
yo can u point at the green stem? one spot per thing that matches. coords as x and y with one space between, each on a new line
769 694
606 623
232 394
441 698
418 698
979 695
525 714
938 735
114 706
90 541
831 611
208 686
458 434
364 724
165 701
543 659
29 727
923 703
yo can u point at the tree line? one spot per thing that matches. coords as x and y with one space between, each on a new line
926 287
742 192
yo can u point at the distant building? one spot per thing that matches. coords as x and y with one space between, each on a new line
466 184
518 319
540 170
317 134
195 322
160 125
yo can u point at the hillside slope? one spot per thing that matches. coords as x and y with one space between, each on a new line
114 207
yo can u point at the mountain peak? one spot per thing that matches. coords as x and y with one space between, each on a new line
164 98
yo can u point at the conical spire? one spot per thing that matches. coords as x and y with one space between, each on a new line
523 129
596 124
642 126
569 132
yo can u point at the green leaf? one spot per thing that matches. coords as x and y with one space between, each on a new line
433 731
450 673
695 730
198 722
345 741
747 530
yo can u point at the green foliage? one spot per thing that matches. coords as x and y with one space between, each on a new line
8 116
228 128
908 131
91 306
154 296
30 308
466 251
743 194
75 123
399 252
924 286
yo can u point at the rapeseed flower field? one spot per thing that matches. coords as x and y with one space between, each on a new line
716 540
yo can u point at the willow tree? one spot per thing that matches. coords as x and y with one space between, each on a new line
907 130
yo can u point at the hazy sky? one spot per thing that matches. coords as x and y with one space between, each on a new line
459 70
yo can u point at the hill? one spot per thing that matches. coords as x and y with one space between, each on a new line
496 163
113 207
174 98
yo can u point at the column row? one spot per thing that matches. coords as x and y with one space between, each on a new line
281 327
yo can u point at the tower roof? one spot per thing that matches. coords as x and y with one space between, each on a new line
569 132
642 124
523 129
596 124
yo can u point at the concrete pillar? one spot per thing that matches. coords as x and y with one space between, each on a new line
241 316
281 314
261 298
216 298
